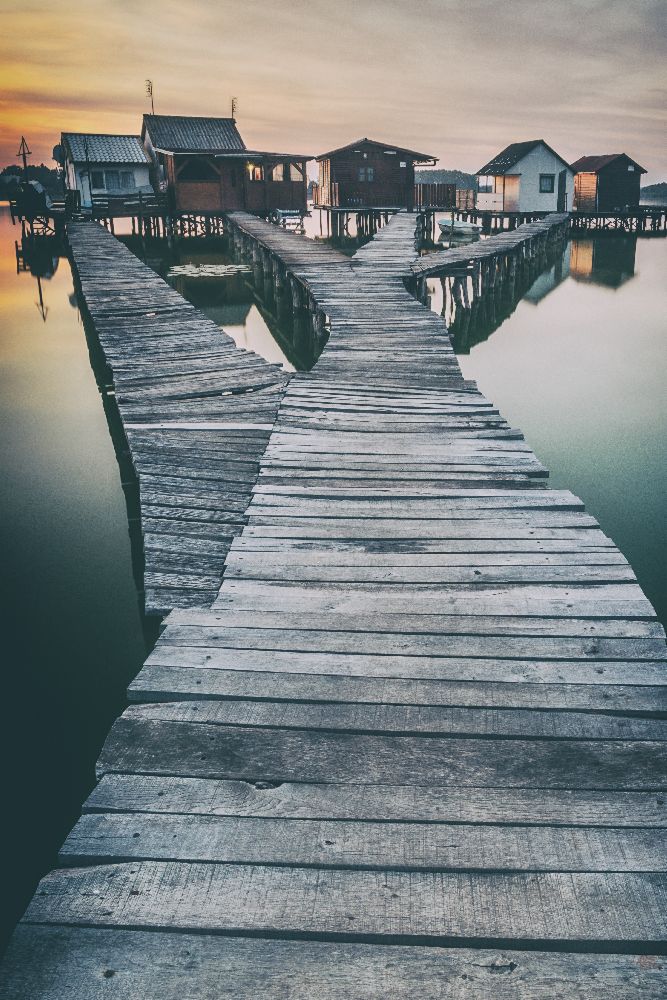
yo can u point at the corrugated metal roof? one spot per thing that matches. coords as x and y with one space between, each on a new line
184 134
511 155
592 164
104 148
413 154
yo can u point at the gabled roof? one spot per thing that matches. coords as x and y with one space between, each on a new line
419 157
512 154
593 164
184 134
96 148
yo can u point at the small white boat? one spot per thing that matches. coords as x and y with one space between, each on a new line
455 229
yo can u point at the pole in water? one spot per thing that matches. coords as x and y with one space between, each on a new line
43 309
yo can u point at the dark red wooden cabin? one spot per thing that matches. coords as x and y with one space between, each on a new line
203 165
607 183
368 174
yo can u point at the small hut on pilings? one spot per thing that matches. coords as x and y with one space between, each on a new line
368 174
606 183
203 165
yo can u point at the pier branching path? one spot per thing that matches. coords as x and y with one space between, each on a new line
415 745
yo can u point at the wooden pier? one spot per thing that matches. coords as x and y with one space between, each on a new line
196 412
415 746
471 271
646 220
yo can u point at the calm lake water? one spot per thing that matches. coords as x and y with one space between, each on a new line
578 365
69 605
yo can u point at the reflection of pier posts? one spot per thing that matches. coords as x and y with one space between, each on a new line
421 291
281 291
267 276
257 269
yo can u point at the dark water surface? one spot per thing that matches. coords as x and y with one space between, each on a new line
72 630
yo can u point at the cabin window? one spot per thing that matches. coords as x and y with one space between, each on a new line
485 185
112 178
255 172
278 172
127 180
97 179
295 172
547 182
366 173
197 169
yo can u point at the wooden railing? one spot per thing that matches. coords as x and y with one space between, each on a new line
435 195
105 206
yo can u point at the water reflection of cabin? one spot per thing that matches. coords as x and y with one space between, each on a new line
368 174
603 261
203 165
606 183
549 279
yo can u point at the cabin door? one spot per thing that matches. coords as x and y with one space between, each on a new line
86 198
511 184
561 203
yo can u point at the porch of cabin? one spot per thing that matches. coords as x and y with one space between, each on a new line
255 183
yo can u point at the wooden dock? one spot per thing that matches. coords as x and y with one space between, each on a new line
527 240
196 412
415 746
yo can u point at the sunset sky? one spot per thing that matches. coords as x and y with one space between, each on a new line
456 78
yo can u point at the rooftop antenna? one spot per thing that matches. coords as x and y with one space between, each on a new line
235 103
149 93
24 152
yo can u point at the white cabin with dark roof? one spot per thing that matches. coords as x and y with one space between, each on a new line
526 177
105 166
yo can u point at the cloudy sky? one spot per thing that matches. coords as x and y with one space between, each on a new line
456 78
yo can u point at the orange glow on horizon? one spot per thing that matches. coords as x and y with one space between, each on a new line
504 76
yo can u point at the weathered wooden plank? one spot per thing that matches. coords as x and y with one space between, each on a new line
617 910
157 682
434 624
407 846
416 644
181 748
415 803
443 668
407 719
128 964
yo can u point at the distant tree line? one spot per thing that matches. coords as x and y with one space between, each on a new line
655 194
11 176
459 177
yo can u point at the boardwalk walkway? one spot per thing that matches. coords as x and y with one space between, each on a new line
526 238
196 412
414 747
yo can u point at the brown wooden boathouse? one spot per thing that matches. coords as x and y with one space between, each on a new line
368 174
203 165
